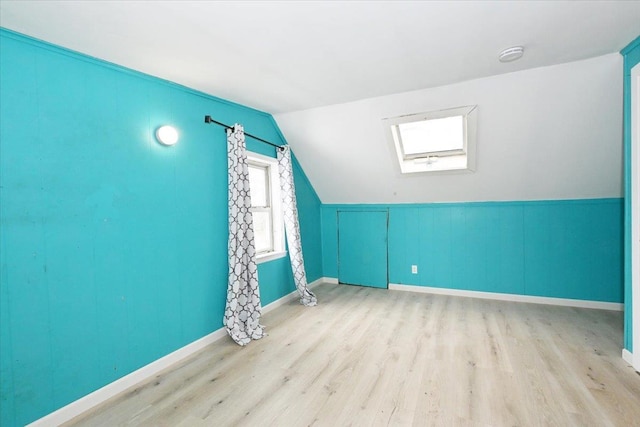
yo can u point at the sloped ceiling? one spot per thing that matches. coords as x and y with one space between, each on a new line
547 133
283 56
329 71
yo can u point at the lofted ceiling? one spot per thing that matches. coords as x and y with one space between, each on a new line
284 56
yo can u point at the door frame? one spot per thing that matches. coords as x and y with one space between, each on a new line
635 213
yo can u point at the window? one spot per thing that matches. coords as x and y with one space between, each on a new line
266 207
437 141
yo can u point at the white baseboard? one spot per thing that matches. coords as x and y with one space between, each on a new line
321 281
331 280
77 407
510 297
627 356
290 296
91 400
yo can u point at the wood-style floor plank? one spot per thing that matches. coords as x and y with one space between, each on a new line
367 357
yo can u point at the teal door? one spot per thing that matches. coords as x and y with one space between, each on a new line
362 248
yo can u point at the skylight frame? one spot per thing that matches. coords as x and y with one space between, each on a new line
436 160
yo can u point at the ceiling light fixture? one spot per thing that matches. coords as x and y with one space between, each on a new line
511 54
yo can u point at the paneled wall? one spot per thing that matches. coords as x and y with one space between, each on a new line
565 248
113 249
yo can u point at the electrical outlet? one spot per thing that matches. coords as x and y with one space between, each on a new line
414 269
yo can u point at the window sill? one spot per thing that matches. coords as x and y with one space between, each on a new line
270 256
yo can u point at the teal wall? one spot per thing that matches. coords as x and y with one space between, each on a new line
565 249
113 250
631 55
309 217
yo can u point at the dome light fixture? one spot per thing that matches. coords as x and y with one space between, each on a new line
511 54
167 135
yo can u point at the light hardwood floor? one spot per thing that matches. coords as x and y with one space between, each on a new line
370 357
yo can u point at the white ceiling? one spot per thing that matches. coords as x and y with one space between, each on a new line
543 134
286 56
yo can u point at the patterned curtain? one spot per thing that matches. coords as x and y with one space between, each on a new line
243 310
292 226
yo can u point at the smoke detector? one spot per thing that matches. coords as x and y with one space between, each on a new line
511 54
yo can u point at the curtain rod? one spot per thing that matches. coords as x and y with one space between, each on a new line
208 119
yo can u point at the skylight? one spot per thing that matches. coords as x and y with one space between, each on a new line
436 141
432 136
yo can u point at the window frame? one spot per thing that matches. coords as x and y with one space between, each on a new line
458 160
268 207
274 200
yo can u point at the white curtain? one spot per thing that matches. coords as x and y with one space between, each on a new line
243 309
292 226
